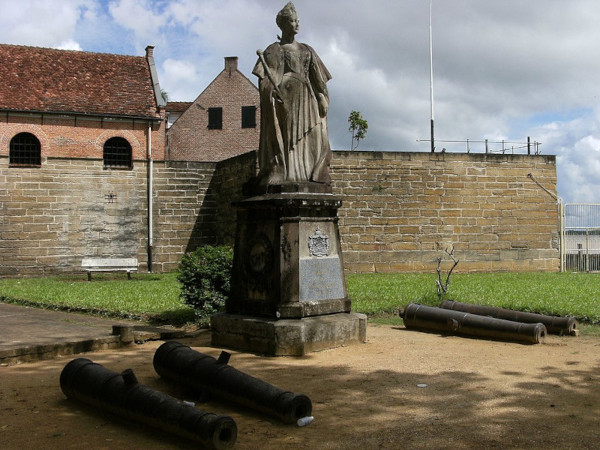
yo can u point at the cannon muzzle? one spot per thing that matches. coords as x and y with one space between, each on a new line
554 325
203 373
120 394
427 318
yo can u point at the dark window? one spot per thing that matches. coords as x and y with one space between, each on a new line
215 118
248 116
117 153
25 150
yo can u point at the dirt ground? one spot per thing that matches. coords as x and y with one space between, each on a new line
402 389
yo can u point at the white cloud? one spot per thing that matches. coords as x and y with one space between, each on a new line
503 69
40 23
576 144
375 94
181 76
142 18
69 45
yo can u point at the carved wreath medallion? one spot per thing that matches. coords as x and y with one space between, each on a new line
259 256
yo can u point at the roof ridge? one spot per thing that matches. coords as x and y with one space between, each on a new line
89 52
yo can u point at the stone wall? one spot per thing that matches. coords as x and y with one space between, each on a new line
54 215
402 210
193 206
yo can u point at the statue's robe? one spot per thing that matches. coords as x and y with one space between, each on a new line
294 142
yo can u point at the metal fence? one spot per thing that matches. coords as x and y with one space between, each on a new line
581 237
503 147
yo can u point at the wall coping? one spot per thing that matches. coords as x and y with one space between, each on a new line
441 157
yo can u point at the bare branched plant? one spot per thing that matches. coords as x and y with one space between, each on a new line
443 287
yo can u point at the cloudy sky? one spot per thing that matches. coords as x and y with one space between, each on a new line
503 69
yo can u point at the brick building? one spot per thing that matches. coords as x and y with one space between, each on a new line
78 131
57 103
174 110
222 122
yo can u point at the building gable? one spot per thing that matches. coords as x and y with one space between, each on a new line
193 138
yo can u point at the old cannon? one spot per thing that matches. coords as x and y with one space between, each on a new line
427 318
120 394
554 325
207 375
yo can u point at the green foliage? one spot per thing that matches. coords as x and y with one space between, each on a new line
156 297
153 297
205 277
379 294
560 294
358 128
165 95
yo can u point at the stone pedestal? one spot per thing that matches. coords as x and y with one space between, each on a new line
288 337
288 293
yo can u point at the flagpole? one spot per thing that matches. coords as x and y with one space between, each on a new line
431 75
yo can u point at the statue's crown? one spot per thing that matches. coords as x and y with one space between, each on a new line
287 10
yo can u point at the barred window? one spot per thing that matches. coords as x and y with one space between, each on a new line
25 150
248 116
215 118
117 153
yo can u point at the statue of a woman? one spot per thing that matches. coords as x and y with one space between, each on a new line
294 142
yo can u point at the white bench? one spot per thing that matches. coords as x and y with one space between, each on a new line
99 264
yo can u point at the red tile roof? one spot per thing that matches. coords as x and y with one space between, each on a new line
177 106
64 81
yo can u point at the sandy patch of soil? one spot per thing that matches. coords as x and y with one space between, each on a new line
478 394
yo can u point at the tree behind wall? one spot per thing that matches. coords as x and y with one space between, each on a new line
358 128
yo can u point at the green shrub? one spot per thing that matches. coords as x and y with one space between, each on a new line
205 277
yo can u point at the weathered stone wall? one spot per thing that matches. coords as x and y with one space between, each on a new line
402 210
193 206
54 215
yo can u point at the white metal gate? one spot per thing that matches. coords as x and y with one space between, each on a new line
580 246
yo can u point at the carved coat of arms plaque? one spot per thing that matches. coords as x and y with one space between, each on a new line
318 244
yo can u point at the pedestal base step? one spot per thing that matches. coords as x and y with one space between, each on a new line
289 337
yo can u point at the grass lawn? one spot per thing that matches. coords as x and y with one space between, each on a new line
574 294
145 296
381 296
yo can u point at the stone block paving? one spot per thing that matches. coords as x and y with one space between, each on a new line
32 334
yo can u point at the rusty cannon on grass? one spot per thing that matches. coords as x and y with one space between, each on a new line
553 324
121 394
204 374
428 318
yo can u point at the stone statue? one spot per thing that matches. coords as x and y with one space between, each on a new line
294 142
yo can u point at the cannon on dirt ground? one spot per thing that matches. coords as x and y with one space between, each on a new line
427 318
554 325
121 394
214 377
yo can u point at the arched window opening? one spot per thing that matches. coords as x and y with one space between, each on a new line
25 150
117 153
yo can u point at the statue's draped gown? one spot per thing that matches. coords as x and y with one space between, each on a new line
294 142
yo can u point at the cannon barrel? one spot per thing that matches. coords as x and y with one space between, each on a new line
427 318
554 325
203 373
120 394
